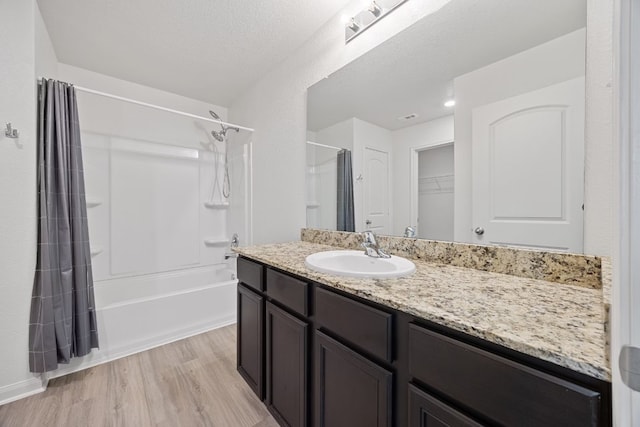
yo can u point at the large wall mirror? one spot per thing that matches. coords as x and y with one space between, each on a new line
504 165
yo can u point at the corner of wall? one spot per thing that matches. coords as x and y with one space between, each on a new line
46 58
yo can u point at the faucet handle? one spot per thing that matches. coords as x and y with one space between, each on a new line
409 231
368 250
369 237
383 254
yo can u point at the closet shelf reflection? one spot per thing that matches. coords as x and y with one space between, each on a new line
436 184
216 205
92 203
96 250
216 242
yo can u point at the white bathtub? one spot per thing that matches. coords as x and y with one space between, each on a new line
141 312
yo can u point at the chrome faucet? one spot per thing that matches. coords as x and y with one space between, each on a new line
235 240
370 245
234 243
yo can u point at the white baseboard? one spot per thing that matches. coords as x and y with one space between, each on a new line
22 389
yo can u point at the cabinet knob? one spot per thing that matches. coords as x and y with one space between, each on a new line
479 231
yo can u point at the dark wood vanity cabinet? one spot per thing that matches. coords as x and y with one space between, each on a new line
286 366
364 327
351 390
287 348
322 357
503 391
427 411
250 336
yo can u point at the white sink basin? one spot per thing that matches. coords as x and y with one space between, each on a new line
357 264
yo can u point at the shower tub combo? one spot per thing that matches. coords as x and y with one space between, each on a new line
163 203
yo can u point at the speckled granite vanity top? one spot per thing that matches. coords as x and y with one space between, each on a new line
560 323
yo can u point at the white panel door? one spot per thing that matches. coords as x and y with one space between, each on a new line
376 191
528 169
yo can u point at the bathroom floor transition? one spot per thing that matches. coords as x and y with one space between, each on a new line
192 382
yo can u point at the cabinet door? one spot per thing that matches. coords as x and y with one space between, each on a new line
351 391
287 357
427 411
251 339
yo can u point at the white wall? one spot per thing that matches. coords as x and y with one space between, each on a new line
552 62
598 165
17 194
405 141
276 107
102 82
337 135
46 59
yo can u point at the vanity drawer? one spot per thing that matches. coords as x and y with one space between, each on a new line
426 411
250 273
291 292
498 389
364 326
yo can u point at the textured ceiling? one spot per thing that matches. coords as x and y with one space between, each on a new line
413 72
204 49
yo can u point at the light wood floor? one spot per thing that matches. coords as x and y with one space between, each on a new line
192 382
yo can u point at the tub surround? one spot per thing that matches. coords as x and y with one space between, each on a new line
560 323
570 269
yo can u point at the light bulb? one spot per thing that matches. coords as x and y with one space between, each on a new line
354 26
374 9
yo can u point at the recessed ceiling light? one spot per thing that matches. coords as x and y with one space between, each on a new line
450 103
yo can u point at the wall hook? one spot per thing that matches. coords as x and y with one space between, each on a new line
10 132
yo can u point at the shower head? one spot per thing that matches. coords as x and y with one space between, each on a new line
222 133
219 136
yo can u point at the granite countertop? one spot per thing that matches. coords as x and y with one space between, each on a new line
560 323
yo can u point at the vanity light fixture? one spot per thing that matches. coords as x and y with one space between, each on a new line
372 13
353 25
450 103
374 9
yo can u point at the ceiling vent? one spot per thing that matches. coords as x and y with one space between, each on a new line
407 117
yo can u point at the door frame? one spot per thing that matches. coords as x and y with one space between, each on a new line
414 153
625 292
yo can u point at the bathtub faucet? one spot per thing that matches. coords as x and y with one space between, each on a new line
235 242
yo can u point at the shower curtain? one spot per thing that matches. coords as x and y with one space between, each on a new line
346 218
63 318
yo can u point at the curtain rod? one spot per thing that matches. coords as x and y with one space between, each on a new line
324 146
157 107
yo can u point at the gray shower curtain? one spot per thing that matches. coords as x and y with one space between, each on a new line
63 318
346 218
